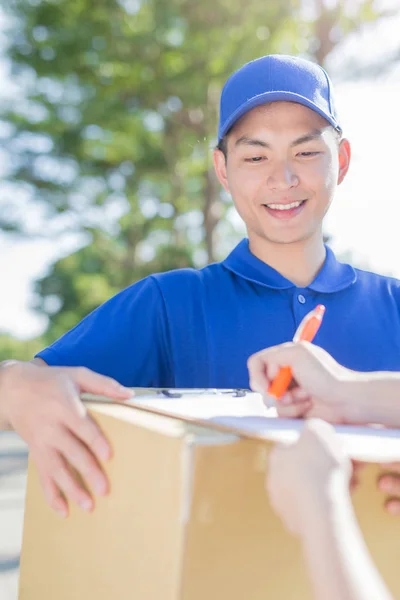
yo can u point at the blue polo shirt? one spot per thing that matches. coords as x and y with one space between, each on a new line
197 328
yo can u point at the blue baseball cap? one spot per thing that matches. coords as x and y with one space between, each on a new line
274 78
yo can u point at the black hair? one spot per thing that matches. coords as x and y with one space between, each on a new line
223 145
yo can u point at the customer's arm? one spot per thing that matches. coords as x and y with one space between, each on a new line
308 484
325 389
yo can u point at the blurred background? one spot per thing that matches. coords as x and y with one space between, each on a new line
108 118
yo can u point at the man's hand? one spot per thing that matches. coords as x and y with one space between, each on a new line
43 406
389 483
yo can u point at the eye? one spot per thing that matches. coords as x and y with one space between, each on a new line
308 154
255 159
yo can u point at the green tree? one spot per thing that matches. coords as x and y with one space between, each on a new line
86 278
120 110
11 348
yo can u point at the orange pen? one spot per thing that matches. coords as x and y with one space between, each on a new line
306 332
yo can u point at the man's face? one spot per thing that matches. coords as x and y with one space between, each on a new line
283 164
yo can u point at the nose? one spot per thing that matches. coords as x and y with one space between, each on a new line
282 176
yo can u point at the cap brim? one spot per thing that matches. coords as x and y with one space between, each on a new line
268 97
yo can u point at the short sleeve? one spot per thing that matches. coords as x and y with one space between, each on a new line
126 338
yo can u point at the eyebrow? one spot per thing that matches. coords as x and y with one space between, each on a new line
309 137
250 141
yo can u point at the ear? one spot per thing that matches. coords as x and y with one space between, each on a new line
220 168
344 159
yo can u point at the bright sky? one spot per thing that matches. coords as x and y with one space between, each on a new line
365 216
364 219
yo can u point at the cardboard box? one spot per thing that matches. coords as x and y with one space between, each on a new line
188 517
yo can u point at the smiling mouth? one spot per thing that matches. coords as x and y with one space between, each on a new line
285 207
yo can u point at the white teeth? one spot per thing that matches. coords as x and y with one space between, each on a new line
284 206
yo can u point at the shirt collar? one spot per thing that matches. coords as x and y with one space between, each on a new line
333 277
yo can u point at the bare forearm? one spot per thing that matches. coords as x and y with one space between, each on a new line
14 374
374 398
338 561
4 376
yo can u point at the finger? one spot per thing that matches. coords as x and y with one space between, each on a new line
354 482
293 411
390 484
68 483
80 457
287 399
267 363
257 373
86 430
52 493
295 396
357 468
392 505
262 371
300 395
358 465
94 383
393 467
269 401
258 386
271 370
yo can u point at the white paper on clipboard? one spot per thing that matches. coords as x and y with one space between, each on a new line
248 413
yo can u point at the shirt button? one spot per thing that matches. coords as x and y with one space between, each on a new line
301 299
